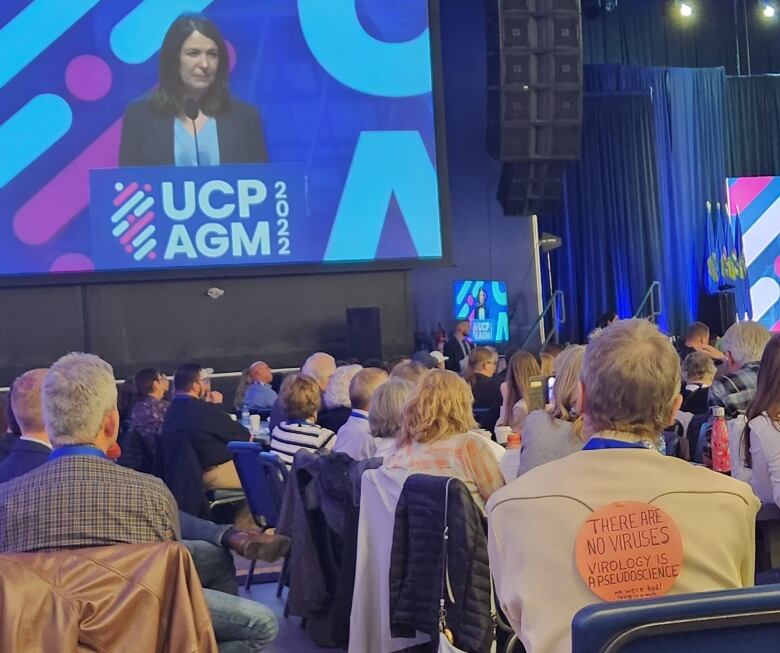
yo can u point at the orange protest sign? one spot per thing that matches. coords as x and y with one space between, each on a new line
629 550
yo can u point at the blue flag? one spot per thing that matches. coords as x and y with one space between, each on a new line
742 290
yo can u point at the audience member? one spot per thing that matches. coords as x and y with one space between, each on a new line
485 387
301 401
148 411
546 364
377 364
206 425
99 503
761 438
426 360
354 438
409 370
606 319
629 392
336 408
441 359
556 431
697 339
319 367
698 372
32 448
458 347
11 432
743 344
259 395
385 414
437 436
396 360
552 348
515 390
244 381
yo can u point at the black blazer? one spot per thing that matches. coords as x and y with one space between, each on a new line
25 456
147 135
208 427
454 352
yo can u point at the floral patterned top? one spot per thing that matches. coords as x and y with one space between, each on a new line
147 417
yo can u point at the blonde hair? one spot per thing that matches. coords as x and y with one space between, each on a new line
477 359
522 366
410 370
387 407
631 375
546 364
440 407
300 397
26 401
568 366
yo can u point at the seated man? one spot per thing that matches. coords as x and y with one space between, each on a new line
630 386
743 345
208 427
259 395
319 367
697 338
354 438
99 503
301 402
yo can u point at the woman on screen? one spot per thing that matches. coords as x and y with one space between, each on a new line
481 311
159 129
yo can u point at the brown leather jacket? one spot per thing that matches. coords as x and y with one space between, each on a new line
135 598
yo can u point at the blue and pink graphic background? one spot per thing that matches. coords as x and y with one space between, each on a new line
758 201
327 76
466 294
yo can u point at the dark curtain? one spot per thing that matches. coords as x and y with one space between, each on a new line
611 218
689 124
753 126
651 33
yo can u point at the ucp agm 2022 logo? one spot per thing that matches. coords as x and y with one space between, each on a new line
169 217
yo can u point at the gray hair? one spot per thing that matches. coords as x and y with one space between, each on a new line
319 366
337 392
745 341
77 393
387 407
631 374
698 367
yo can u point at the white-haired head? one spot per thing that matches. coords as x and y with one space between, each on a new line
337 392
79 400
319 367
744 343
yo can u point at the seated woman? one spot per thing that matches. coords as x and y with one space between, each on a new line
385 414
557 431
337 407
698 371
761 437
485 386
148 410
437 438
301 400
514 409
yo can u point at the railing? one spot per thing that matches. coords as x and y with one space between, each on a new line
556 307
653 297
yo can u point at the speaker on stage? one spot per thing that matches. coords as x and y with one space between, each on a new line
534 98
364 333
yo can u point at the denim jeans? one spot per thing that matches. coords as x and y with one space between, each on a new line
214 565
241 625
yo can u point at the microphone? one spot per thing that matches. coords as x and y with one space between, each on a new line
191 110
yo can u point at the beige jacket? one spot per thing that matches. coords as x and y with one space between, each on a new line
533 523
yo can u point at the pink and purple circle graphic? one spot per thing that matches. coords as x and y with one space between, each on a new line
88 77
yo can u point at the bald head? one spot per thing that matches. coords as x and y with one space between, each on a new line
26 401
319 367
260 372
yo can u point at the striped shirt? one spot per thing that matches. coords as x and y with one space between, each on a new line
290 436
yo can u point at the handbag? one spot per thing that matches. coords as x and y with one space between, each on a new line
446 638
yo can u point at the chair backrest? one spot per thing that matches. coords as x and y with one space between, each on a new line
716 622
263 476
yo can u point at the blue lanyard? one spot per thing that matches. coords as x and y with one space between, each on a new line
354 413
594 444
77 450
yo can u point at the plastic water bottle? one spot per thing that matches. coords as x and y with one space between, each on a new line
510 462
721 455
245 415
662 445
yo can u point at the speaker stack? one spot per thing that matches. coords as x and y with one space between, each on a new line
534 98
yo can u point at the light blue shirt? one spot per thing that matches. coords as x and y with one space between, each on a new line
259 395
184 144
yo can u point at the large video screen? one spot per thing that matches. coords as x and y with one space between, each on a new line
190 134
485 305
758 202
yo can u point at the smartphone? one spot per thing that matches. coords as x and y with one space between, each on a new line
550 395
536 392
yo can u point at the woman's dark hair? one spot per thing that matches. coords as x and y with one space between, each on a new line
144 381
606 319
767 399
168 98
